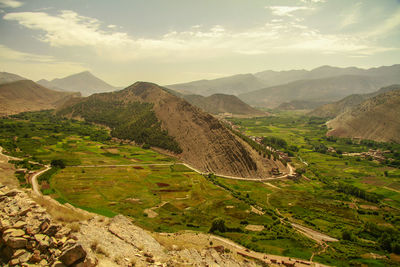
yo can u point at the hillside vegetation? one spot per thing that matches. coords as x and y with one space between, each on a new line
145 112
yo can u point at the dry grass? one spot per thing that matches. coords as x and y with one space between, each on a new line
60 212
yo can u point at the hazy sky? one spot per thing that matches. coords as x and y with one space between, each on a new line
169 41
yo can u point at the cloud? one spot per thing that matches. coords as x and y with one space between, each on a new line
10 3
285 10
69 29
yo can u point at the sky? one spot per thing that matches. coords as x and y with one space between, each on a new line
173 41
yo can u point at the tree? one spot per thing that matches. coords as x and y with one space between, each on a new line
218 225
347 235
58 163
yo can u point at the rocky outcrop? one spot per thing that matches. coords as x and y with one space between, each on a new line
30 236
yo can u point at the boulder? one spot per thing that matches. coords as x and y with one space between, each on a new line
19 225
24 257
14 232
16 242
73 254
58 264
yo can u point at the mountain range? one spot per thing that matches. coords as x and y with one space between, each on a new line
84 82
148 113
6 77
272 88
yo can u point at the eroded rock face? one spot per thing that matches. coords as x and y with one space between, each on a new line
28 235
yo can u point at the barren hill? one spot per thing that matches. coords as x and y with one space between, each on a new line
232 85
377 118
332 110
6 77
221 103
203 142
26 95
84 82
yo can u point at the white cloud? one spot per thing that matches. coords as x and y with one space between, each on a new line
285 10
278 36
10 3
68 29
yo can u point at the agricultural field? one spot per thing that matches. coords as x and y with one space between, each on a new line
160 194
337 194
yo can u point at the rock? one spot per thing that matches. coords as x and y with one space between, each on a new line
88 262
43 263
52 229
14 232
62 233
58 264
4 225
13 262
73 254
45 224
12 193
35 258
16 242
25 257
24 212
18 253
19 225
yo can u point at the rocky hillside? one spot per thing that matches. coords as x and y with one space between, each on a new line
84 82
332 110
203 141
30 235
25 95
221 103
377 118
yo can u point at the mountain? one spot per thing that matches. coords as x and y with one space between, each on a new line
300 105
84 82
26 95
377 118
232 85
221 103
148 113
273 78
326 89
332 110
6 77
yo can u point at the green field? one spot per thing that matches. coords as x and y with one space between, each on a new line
162 195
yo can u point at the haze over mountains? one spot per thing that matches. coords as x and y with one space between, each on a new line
26 95
320 85
204 142
84 82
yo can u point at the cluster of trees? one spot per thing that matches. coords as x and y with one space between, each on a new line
358 192
131 121
274 142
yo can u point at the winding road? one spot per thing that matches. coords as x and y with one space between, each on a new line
35 185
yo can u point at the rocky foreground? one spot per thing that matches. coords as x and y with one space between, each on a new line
30 236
